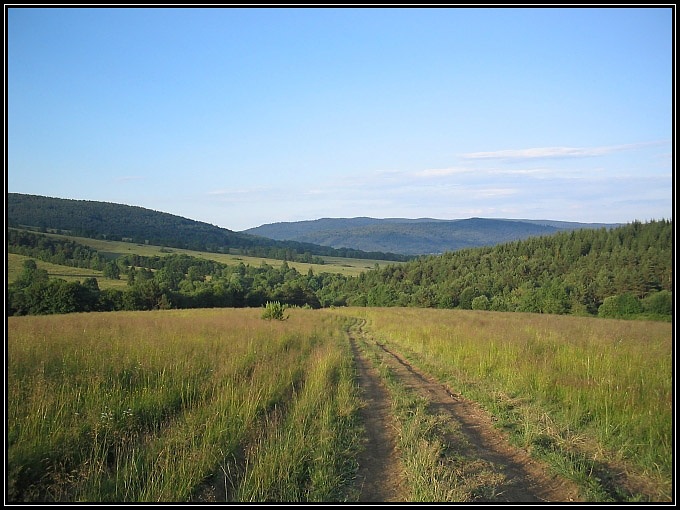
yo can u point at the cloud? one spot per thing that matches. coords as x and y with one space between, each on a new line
441 172
477 172
556 152
495 192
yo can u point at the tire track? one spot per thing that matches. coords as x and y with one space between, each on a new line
380 476
525 479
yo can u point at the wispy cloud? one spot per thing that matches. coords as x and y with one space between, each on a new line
495 192
441 172
473 185
460 171
557 152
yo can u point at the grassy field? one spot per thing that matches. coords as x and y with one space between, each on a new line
221 405
179 406
15 265
588 394
113 249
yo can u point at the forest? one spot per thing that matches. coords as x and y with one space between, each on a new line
104 220
623 272
565 273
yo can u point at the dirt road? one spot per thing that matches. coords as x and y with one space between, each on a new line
381 476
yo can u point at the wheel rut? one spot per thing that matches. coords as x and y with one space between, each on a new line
524 478
380 477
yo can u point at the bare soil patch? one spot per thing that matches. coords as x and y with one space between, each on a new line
380 477
525 479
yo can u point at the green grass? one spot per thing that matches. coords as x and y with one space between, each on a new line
590 395
178 406
304 458
221 405
113 249
435 469
15 265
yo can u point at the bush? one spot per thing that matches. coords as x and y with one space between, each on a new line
274 310
658 303
620 307
480 303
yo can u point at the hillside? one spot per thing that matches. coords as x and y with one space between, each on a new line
413 236
574 272
622 272
104 220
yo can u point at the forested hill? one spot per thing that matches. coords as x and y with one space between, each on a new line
414 236
625 272
574 272
104 220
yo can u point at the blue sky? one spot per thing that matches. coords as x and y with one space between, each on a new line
244 116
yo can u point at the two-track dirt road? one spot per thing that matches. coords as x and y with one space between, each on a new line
381 477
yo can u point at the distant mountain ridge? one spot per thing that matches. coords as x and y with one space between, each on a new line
113 221
395 239
419 236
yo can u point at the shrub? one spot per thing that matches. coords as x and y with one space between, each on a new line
658 303
480 303
619 307
274 310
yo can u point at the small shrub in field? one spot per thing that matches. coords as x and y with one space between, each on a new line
274 310
481 303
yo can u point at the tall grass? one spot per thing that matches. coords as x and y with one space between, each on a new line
559 384
303 458
435 470
220 405
165 405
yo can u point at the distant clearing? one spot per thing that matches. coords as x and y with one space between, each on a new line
113 249
15 264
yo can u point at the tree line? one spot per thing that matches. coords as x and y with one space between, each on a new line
620 272
564 273
153 282
119 222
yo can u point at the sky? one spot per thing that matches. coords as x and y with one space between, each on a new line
240 117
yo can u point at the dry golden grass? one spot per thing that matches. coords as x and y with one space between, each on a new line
345 266
578 383
15 265
147 406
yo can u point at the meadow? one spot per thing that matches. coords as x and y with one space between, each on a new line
589 395
222 405
113 249
15 265
178 406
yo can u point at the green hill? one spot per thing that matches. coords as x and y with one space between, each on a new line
104 220
624 272
574 272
